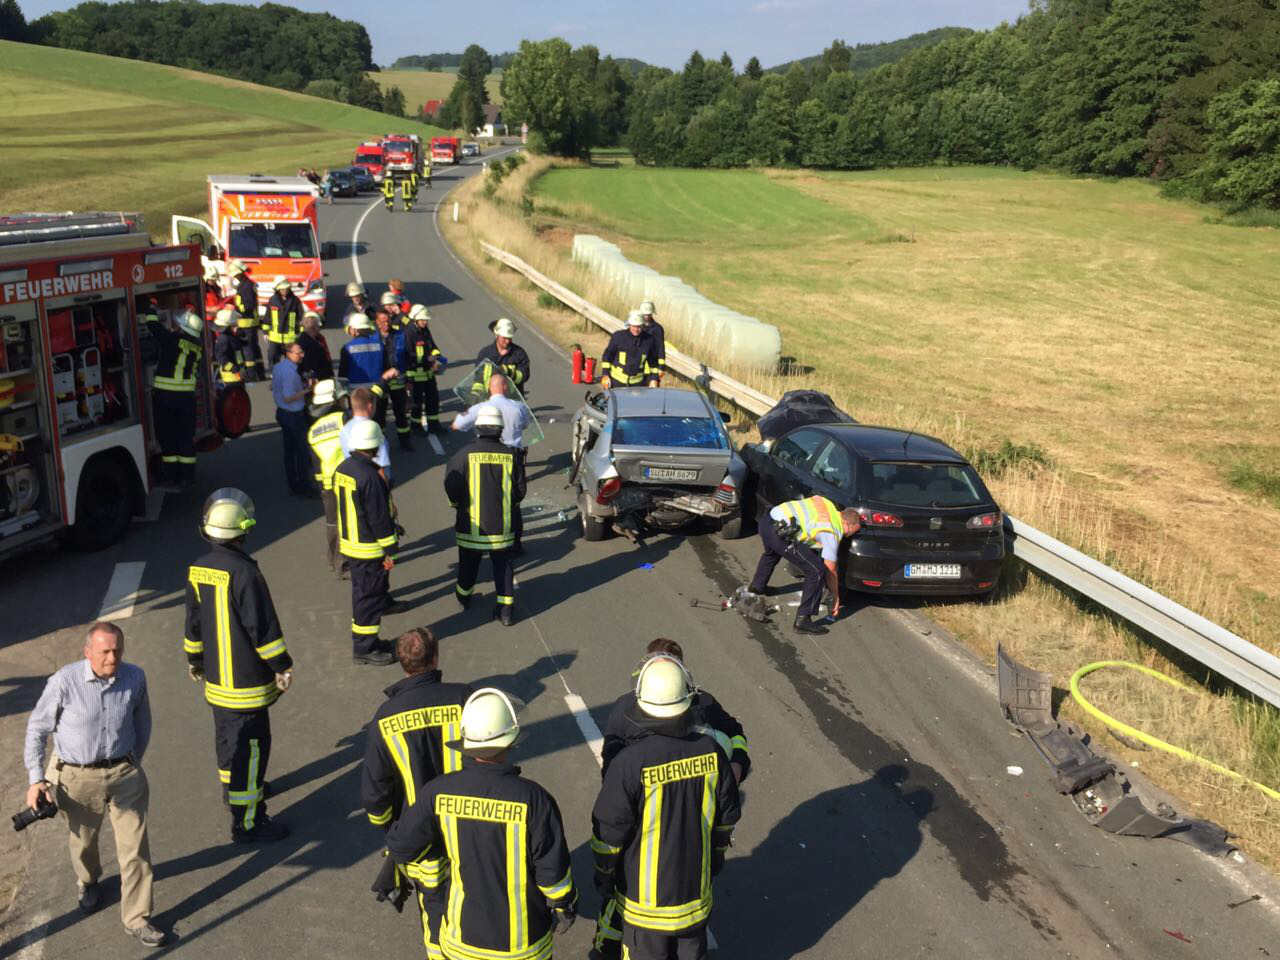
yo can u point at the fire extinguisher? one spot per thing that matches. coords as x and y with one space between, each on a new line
589 371
577 359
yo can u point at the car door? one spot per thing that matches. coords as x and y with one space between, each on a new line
789 476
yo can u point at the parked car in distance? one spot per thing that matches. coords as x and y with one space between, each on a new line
363 179
653 459
929 524
341 184
471 149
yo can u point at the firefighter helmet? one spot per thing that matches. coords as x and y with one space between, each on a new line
419 312
226 317
488 416
210 273
327 392
354 289
389 299
489 723
664 687
227 514
190 323
312 315
365 435
237 267
359 321
646 308
281 283
634 319
504 328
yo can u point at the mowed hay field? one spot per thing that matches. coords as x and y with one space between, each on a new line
1108 357
83 131
419 86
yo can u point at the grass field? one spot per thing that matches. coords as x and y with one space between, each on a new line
419 86
83 131
1108 356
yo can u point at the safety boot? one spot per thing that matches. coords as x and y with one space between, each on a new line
379 656
506 614
805 625
265 830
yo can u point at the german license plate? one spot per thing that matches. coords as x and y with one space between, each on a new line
669 473
932 571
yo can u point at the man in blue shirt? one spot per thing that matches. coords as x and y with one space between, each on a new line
290 393
515 418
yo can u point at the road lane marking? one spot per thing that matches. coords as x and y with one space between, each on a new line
355 241
122 591
587 724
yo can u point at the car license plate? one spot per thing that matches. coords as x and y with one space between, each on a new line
669 473
932 571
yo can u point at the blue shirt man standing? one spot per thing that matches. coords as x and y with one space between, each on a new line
290 394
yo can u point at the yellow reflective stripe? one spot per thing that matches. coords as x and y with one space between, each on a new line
739 743
246 698
192 646
177 386
455 949
709 782
427 872
508 469
224 776
505 600
473 484
650 837
453 915
399 749
464 593
666 919
486 541
359 551
251 807
599 846
380 819
517 913
389 541
558 890
272 649
452 758
363 631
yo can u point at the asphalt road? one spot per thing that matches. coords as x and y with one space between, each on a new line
880 820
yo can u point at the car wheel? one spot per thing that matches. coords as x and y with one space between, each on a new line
592 528
104 504
731 529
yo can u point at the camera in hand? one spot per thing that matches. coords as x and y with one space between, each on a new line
43 810
788 529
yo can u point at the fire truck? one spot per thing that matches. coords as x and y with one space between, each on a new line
369 155
76 361
402 154
445 149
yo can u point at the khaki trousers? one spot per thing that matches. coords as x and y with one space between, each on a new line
85 795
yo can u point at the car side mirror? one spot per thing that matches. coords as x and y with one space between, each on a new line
725 417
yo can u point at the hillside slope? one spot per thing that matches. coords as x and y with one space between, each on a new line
419 86
868 56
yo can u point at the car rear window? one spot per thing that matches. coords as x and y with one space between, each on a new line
701 432
925 484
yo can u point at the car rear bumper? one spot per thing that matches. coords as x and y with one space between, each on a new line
869 571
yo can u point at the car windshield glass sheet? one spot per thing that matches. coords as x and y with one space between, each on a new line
702 433
292 240
474 388
799 447
925 484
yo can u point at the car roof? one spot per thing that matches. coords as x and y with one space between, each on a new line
889 443
659 402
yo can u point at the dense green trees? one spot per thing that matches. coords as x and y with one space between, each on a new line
13 25
464 106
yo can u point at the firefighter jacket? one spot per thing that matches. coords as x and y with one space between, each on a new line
706 716
365 529
488 847
407 743
394 355
654 329
246 302
515 364
485 488
178 359
409 188
388 188
360 362
228 355
813 515
284 317
232 630
421 351
325 439
630 360
662 823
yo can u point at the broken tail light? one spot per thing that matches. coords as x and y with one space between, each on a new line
608 490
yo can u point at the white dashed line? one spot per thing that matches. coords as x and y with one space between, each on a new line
355 241
587 724
122 591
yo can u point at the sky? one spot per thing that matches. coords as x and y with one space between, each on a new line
661 32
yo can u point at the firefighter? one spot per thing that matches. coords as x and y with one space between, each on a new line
395 364
228 348
631 358
367 538
214 299
487 846
357 301
808 533
245 300
408 746
409 192
246 667
330 408
655 330
389 192
284 320
505 356
174 395
485 487
425 360
426 170
663 821
360 362
392 301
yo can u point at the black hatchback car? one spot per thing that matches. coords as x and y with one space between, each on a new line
363 179
929 524
341 184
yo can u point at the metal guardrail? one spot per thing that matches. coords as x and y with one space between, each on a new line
1222 651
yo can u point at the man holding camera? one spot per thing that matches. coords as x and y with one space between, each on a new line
98 712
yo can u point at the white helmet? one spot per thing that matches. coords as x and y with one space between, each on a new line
210 272
226 317
646 308
359 321
227 514
489 723
237 267
281 283
312 315
488 415
634 319
389 299
354 289
327 391
365 435
664 687
504 328
419 312
189 322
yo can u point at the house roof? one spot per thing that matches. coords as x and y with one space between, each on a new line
431 106
492 113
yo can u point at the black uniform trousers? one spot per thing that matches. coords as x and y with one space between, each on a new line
397 399
242 740
641 944
297 454
426 403
252 353
370 594
175 416
806 558
517 515
503 574
330 501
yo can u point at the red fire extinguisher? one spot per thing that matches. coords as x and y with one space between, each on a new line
589 371
577 359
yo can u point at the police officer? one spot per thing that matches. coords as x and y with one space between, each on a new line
631 358
174 395
360 361
357 301
488 847
808 533
485 487
234 644
655 330
394 386
408 745
228 348
663 821
367 538
504 356
284 320
330 410
424 360
245 300
389 192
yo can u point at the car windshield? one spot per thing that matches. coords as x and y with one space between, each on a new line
702 432
925 484
293 240
374 158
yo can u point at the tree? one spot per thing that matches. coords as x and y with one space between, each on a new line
753 69
838 56
326 88
726 61
363 92
474 70
13 25
772 127
540 87
393 102
1243 169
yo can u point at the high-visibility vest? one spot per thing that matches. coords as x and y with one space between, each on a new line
176 369
815 515
325 438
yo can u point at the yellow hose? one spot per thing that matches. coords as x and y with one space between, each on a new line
1146 738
